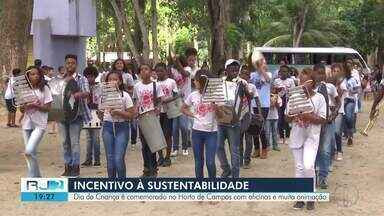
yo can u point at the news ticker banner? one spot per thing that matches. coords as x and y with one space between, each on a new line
169 189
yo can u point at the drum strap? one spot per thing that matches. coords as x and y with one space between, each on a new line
154 95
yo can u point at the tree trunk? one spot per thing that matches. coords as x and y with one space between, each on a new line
122 20
15 27
137 36
119 39
298 26
154 31
140 14
380 52
98 38
216 9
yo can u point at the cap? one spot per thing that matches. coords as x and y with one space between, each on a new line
231 61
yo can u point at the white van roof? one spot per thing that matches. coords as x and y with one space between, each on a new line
306 50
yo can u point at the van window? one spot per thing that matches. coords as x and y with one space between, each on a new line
302 58
322 58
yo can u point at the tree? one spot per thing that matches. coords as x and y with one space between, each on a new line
140 14
365 25
218 22
16 18
123 21
154 31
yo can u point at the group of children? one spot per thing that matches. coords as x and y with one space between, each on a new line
255 112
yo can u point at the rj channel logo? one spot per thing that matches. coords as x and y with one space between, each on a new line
44 185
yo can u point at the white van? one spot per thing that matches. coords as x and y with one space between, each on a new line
302 57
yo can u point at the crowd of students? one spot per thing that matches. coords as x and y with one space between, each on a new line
253 119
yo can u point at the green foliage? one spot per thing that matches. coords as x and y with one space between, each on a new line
183 40
365 25
234 35
354 23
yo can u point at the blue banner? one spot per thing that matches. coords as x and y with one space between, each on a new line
191 185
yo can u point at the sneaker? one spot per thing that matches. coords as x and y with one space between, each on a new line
247 166
185 152
145 174
87 163
226 174
339 156
350 142
256 154
310 205
160 162
323 184
67 171
264 154
167 162
174 153
97 163
298 205
75 171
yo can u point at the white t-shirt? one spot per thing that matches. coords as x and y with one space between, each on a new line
273 112
284 84
34 118
168 86
47 78
308 134
252 88
343 88
127 103
9 94
245 109
356 74
128 79
204 112
332 94
183 83
143 93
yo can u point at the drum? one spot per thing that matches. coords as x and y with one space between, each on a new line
64 106
95 122
149 125
174 108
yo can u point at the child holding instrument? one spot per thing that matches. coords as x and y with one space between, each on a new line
35 119
115 128
305 133
93 140
169 88
204 129
147 95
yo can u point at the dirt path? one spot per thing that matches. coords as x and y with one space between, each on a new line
356 184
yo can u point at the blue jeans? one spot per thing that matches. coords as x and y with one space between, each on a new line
70 133
209 140
186 128
349 117
245 153
179 125
323 158
133 128
93 144
339 132
32 139
232 133
272 131
115 138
